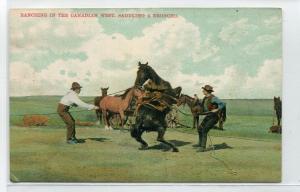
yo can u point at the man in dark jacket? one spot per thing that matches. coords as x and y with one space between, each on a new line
211 105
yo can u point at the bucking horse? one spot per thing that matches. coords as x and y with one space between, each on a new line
151 115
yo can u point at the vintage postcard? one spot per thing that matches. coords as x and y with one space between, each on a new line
187 95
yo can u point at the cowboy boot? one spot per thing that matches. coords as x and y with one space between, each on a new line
203 144
200 138
200 134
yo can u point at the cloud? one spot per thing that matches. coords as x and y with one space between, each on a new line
272 22
56 34
268 80
234 83
234 32
205 50
111 59
261 42
165 45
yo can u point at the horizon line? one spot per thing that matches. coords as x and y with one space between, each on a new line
99 95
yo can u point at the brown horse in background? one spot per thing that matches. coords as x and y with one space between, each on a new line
118 104
194 105
97 103
197 108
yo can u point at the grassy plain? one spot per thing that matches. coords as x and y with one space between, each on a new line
40 154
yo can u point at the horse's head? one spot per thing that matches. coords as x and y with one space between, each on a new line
277 99
142 74
177 91
104 91
138 92
181 100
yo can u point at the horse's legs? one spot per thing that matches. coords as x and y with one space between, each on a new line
122 118
220 124
160 137
99 116
142 141
194 121
221 121
137 134
278 118
125 120
106 121
197 120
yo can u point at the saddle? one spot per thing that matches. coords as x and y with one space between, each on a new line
152 86
155 100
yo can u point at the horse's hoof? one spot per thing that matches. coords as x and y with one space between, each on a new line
175 150
143 147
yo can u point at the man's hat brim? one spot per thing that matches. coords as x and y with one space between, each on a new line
207 89
76 87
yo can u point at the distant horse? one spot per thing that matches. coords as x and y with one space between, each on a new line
149 117
195 107
145 72
97 102
116 104
278 109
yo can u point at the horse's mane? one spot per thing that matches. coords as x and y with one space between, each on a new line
125 93
188 96
156 78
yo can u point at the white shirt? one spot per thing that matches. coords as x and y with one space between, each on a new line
72 98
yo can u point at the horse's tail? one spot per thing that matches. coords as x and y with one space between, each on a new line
223 114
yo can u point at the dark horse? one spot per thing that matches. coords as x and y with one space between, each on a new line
277 108
149 118
145 72
97 102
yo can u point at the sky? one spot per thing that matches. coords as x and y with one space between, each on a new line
237 51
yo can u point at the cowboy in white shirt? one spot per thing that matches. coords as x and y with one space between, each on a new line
71 99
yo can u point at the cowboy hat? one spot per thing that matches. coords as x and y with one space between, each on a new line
208 88
75 85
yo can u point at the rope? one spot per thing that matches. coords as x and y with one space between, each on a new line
213 155
177 123
52 113
203 113
186 114
14 177
117 92
230 137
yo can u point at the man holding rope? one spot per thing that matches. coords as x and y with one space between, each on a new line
69 100
211 106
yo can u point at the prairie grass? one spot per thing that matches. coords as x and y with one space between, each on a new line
40 154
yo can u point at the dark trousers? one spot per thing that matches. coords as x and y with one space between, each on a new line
64 113
208 122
